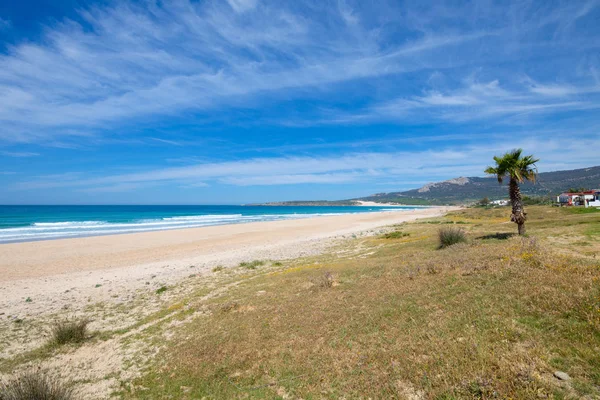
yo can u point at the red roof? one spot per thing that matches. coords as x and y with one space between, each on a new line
578 193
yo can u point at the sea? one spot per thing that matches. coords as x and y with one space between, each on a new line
31 223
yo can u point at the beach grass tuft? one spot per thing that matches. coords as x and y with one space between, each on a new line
325 281
161 290
35 386
395 235
70 331
252 264
450 235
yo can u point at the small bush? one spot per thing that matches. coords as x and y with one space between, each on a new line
449 236
232 306
34 386
161 290
325 281
218 268
252 264
70 332
395 235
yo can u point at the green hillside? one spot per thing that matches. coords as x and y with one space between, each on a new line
463 189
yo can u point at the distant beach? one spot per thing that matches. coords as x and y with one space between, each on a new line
64 271
31 223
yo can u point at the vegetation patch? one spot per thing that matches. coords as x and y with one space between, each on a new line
581 210
395 235
450 235
35 386
324 281
252 264
65 332
161 290
504 312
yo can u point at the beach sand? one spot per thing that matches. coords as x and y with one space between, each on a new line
56 271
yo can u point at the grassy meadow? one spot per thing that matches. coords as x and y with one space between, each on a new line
392 316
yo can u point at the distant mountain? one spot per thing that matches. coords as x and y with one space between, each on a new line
459 190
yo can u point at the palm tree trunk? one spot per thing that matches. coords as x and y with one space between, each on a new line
518 212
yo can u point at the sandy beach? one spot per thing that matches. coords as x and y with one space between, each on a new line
63 271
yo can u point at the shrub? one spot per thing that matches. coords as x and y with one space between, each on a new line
70 332
252 264
325 281
161 290
450 235
34 386
218 268
395 235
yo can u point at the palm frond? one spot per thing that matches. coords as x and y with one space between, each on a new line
518 167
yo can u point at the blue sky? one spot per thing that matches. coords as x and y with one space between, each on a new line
235 101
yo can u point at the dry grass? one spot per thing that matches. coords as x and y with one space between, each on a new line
252 264
395 235
324 281
34 386
450 235
70 332
493 318
380 318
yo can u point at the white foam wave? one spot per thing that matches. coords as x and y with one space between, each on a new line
68 229
67 224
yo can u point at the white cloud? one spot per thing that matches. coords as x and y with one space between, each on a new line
404 166
119 188
242 5
195 185
19 154
134 63
292 179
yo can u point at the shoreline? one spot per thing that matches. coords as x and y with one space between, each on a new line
73 272
43 228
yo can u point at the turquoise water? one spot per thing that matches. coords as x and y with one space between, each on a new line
27 223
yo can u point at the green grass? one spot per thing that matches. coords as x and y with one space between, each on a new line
161 290
395 235
582 210
488 319
252 264
65 332
450 235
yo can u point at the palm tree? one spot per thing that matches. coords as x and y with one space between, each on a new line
518 169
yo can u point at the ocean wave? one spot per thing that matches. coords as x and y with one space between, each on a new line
68 224
202 217
69 229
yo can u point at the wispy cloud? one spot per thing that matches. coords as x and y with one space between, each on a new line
242 5
406 167
119 188
133 62
166 141
480 101
273 93
19 154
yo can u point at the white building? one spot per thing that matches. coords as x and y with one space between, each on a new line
589 198
595 202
